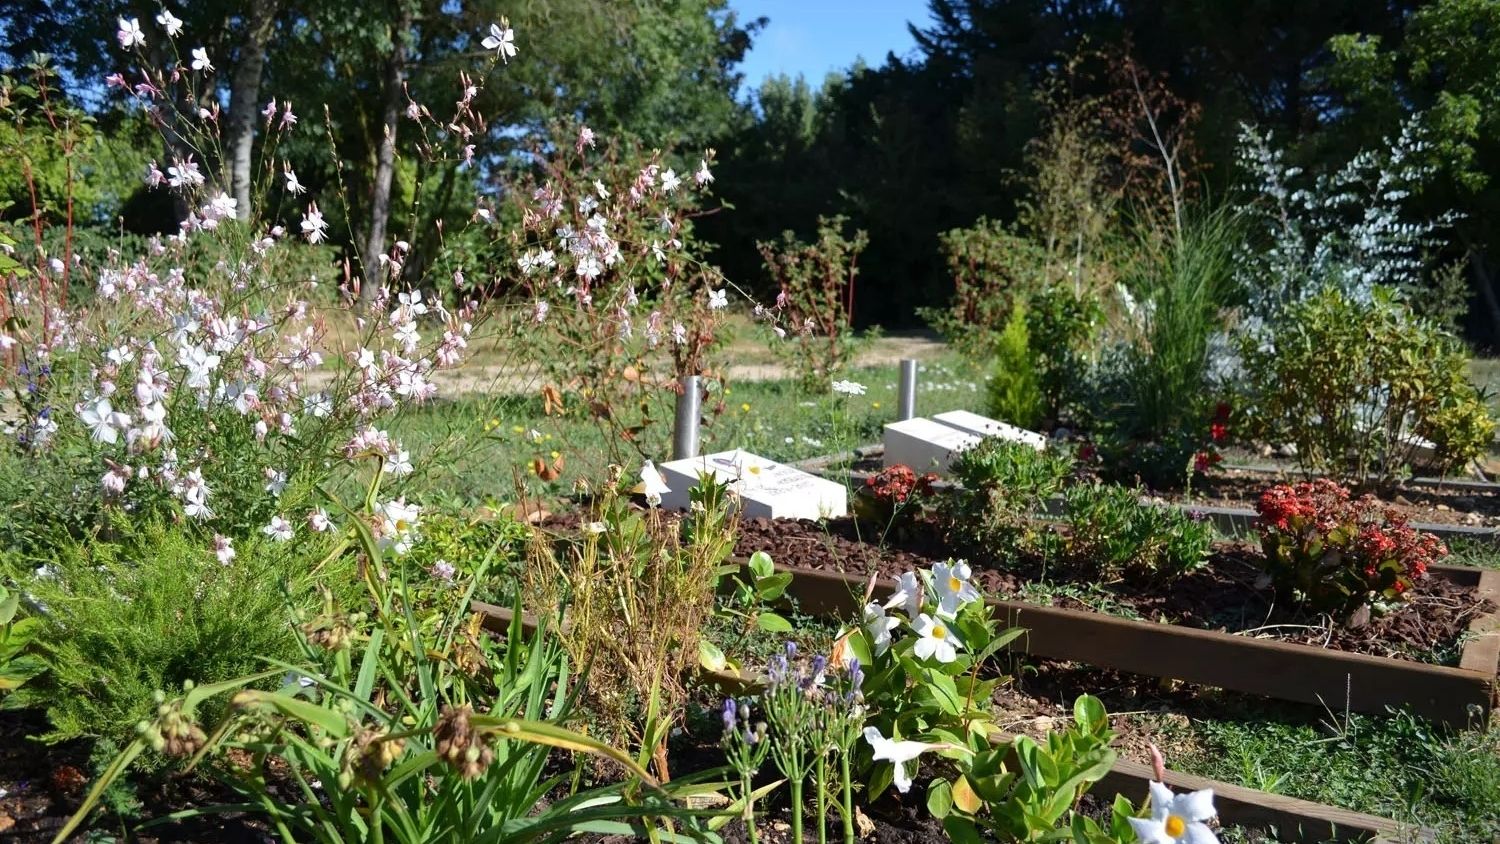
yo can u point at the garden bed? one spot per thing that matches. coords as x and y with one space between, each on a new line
1459 509
1451 695
1225 596
903 821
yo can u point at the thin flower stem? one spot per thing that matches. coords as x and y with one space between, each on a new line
847 782
821 776
797 810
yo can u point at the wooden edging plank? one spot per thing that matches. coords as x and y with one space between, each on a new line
1482 652
1294 820
1281 670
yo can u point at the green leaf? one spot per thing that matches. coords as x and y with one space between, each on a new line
772 623
940 798
773 587
307 712
960 830
710 656
761 565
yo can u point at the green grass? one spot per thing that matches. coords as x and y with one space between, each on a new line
1398 766
477 447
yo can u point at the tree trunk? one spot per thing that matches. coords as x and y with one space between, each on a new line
244 96
385 159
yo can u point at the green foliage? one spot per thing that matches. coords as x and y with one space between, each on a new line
1061 327
815 299
1113 534
16 635
1151 402
1025 791
1014 394
1353 385
419 728
464 542
146 607
1005 486
993 268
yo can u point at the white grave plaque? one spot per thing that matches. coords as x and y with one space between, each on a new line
767 489
983 426
924 445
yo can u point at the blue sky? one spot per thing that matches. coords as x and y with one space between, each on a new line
812 37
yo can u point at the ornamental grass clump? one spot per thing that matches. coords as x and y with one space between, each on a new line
1328 553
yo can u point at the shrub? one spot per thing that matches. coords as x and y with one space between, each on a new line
1060 327
1004 486
1356 385
153 606
1113 534
992 268
814 313
1015 392
1332 554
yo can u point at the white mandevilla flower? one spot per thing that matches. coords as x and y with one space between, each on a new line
200 59
129 34
1176 818
849 388
898 753
652 484
396 528
908 595
937 641
279 529
878 627
502 39
953 587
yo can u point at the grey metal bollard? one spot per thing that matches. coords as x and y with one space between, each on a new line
906 396
689 411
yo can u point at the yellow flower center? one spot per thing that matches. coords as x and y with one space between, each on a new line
1175 826
954 584
939 631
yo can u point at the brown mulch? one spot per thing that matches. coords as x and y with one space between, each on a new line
1227 595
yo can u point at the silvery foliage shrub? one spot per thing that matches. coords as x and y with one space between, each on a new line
1348 229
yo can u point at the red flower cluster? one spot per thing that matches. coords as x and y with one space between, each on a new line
1336 553
893 484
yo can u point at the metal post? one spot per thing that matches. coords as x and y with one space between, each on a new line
906 398
689 411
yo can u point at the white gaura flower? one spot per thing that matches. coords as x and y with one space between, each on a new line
652 484
223 549
318 521
103 421
937 641
908 595
502 39
1176 818
898 753
279 529
953 587
704 175
878 627
170 22
670 181
400 465
849 388
718 298
293 186
275 481
313 224
129 34
200 59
